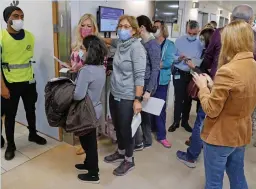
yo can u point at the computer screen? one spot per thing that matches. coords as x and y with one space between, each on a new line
109 18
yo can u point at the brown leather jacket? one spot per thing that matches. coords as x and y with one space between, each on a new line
61 110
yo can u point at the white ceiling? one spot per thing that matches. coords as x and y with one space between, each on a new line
230 4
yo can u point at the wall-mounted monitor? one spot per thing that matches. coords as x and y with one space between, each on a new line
166 11
108 18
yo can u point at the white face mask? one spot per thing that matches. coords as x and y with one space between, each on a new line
17 25
158 33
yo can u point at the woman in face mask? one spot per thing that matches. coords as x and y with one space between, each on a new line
127 82
87 25
146 30
167 57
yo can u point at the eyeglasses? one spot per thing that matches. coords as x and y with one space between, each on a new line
123 26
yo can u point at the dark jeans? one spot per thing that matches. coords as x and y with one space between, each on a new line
160 121
196 142
122 114
143 134
28 94
89 144
182 103
3 109
217 159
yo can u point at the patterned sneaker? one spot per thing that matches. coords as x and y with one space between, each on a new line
182 157
116 157
139 147
165 143
124 168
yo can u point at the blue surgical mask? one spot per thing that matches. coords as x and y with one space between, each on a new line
124 34
191 38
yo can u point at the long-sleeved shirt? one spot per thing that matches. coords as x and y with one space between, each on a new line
153 64
190 49
129 65
91 80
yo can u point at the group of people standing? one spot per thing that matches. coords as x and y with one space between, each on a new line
143 64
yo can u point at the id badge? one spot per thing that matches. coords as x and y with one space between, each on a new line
177 76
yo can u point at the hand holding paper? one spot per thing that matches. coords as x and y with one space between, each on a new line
64 64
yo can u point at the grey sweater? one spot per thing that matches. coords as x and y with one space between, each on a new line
91 80
129 67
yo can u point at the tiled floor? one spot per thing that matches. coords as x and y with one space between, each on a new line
26 150
37 167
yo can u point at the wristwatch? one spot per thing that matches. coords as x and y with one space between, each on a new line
139 98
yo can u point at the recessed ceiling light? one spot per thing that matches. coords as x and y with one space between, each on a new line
174 6
168 13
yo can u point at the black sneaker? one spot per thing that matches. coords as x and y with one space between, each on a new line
173 127
187 127
10 152
2 141
139 147
146 146
124 168
34 137
87 178
116 157
81 168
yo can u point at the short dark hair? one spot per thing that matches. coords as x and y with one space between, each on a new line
146 22
214 24
96 50
193 24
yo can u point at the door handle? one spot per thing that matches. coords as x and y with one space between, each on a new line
61 21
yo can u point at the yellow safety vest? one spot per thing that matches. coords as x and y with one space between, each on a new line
16 56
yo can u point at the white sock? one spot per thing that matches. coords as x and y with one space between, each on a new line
129 159
121 152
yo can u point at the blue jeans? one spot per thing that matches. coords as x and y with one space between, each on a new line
195 147
217 159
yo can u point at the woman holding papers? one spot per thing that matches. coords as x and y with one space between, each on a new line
127 84
167 57
144 138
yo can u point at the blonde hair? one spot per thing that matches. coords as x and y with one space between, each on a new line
165 30
132 21
236 37
79 40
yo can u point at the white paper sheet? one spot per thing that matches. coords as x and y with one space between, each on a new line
61 62
153 106
136 121
64 70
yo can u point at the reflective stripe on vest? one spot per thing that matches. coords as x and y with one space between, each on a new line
16 66
16 56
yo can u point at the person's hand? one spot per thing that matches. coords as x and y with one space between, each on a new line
210 81
146 96
5 93
182 57
190 64
137 107
109 72
200 80
161 64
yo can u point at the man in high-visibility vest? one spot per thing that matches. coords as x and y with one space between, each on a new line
18 76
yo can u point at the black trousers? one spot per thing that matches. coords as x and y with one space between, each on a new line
27 92
122 115
3 109
89 144
182 103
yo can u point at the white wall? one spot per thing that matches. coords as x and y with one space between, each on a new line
131 7
38 20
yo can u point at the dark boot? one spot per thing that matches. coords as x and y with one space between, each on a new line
10 151
187 127
89 178
34 137
173 127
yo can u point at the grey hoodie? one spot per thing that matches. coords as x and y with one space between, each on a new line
129 67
